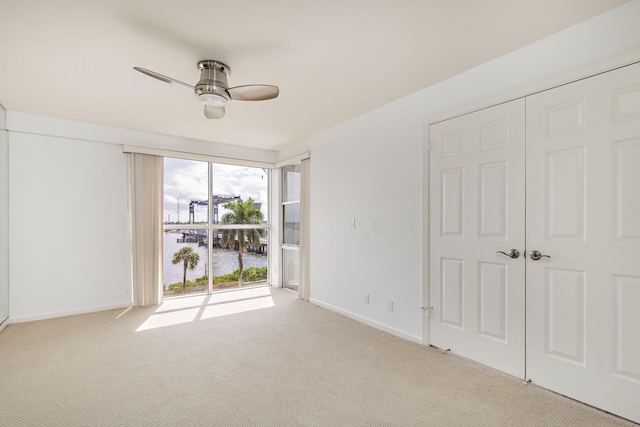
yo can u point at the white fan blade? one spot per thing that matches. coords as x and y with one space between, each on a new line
253 92
213 112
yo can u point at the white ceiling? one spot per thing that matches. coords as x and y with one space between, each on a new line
333 60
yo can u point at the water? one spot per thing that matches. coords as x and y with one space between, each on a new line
224 261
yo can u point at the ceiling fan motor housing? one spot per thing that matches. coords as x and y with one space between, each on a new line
212 87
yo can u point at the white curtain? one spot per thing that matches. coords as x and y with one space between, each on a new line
146 223
304 291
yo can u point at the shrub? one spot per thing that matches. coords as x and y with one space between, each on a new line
249 274
253 274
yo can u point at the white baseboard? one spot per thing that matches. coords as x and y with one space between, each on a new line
369 322
54 314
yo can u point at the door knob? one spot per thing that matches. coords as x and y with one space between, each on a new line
536 255
513 253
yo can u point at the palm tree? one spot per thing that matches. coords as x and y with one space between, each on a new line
190 259
241 213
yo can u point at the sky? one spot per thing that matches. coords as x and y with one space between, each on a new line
187 180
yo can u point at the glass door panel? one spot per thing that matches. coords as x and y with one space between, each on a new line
290 268
236 265
185 262
291 227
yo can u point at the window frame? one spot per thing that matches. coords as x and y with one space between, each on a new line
210 226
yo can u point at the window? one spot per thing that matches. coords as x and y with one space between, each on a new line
290 224
215 226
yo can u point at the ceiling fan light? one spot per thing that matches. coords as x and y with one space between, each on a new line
213 99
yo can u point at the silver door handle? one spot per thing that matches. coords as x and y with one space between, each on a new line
513 253
536 255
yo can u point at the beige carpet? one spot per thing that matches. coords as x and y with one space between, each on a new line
256 357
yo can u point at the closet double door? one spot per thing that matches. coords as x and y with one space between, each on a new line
534 253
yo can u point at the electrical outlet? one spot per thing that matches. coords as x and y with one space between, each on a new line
390 306
353 223
366 298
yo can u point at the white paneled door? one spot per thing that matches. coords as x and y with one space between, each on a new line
477 211
582 249
583 217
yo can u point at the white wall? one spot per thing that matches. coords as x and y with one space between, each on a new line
42 125
69 238
370 168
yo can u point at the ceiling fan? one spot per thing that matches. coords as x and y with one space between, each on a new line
213 89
